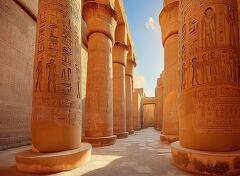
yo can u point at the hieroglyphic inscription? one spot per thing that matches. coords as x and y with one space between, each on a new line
210 62
57 63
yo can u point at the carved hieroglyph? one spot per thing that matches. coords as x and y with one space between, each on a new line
56 113
169 25
209 96
101 25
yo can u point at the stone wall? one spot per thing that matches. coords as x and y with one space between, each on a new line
17 38
149 104
17 47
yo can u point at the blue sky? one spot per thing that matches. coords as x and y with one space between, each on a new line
144 24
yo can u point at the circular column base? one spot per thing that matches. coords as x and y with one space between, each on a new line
131 132
204 162
101 141
40 163
138 129
122 135
168 139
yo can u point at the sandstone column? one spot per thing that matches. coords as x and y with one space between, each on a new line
169 25
56 116
120 51
129 91
136 102
101 23
159 103
209 97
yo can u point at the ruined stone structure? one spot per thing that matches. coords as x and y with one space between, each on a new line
159 104
148 104
169 24
137 108
209 88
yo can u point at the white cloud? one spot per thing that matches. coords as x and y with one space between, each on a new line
139 81
151 24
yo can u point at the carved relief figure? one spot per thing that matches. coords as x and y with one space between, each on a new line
213 66
195 67
205 68
184 76
51 74
39 71
233 31
208 27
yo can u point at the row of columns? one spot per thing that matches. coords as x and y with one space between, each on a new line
201 84
57 109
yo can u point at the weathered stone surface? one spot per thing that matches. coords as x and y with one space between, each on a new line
31 7
31 162
56 86
159 104
204 162
149 104
99 95
120 51
169 25
17 37
209 98
137 109
129 90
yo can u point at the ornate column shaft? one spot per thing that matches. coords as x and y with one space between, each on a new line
169 25
56 116
101 25
120 51
209 97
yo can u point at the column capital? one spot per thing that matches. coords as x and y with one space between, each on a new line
129 68
120 51
100 18
168 19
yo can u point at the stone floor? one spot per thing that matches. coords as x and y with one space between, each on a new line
140 154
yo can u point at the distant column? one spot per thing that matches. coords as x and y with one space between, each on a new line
129 92
169 25
56 116
120 51
101 25
209 96
159 103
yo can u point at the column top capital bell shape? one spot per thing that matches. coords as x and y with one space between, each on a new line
100 18
168 19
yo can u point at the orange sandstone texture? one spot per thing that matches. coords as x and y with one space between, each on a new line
148 104
137 108
129 90
159 104
101 20
209 89
56 116
120 51
169 25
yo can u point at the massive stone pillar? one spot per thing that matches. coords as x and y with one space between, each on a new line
149 105
129 91
120 51
169 25
136 102
209 97
56 115
159 103
101 25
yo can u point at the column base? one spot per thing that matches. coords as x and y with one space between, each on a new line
131 132
44 163
101 141
122 135
138 129
168 139
204 162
